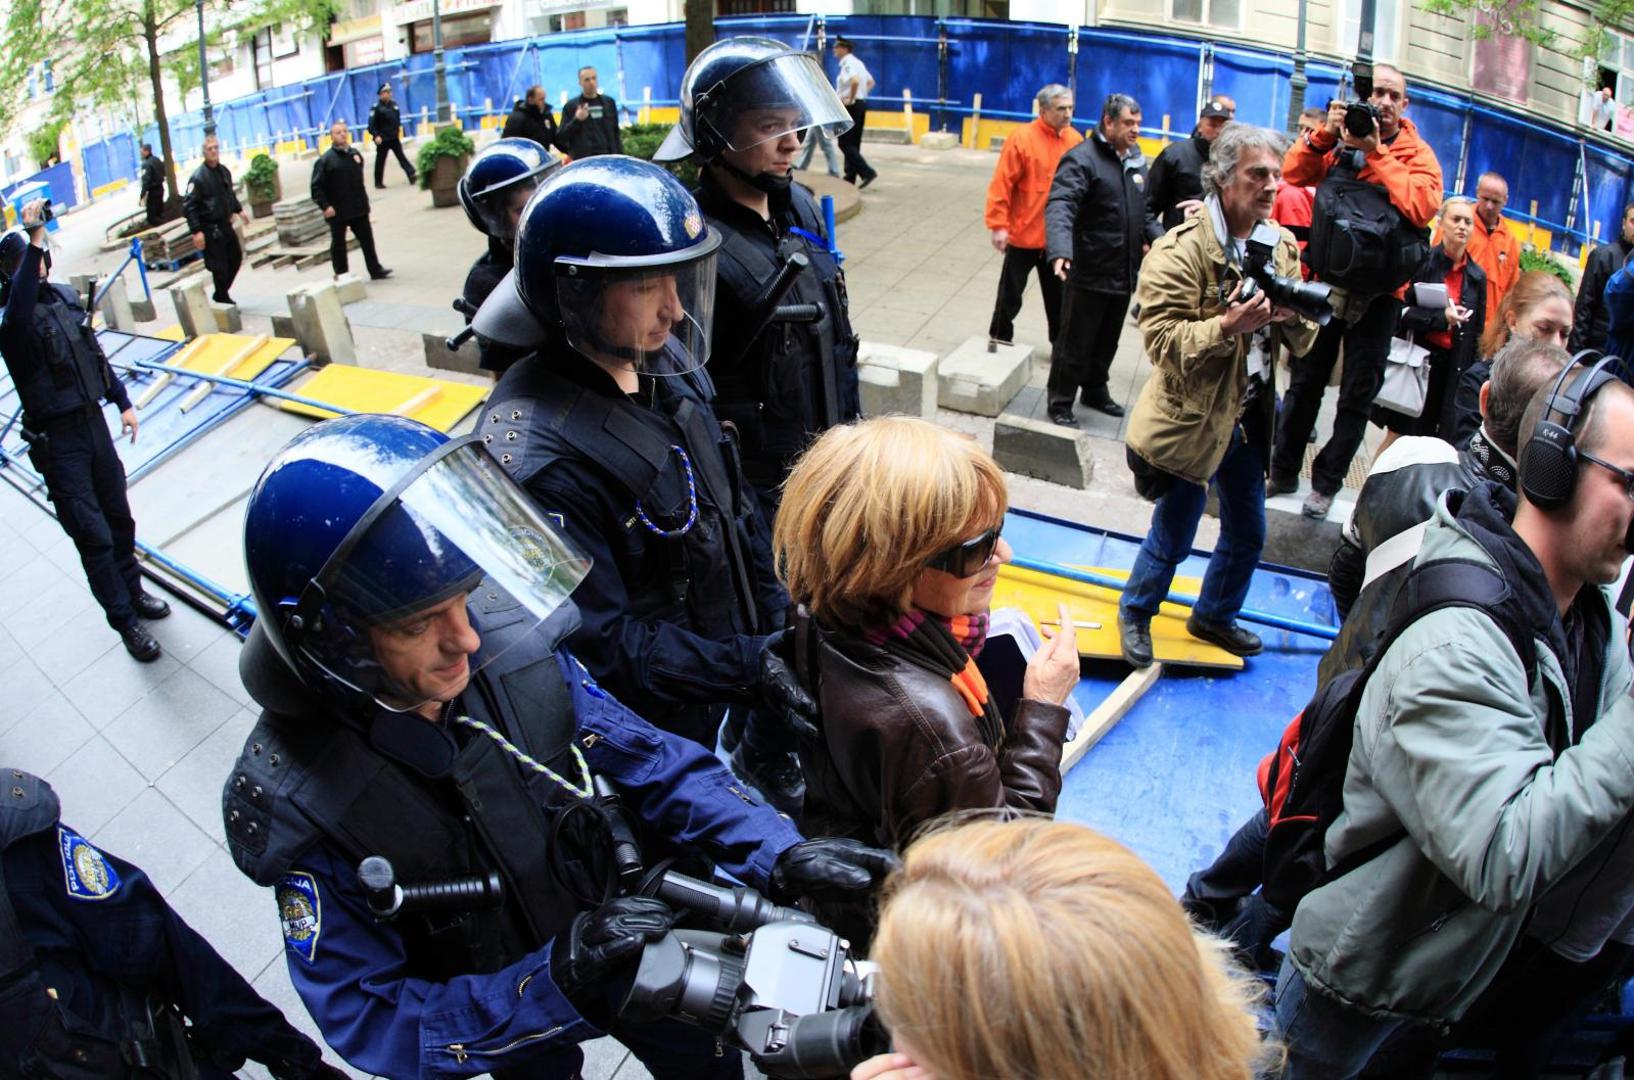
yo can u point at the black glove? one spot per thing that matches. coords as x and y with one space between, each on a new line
831 867
780 691
603 942
315 1070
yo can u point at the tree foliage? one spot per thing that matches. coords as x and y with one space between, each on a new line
1523 19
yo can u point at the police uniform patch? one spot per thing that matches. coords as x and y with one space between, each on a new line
86 873
300 913
694 224
532 547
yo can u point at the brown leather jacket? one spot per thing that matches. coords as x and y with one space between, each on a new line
899 748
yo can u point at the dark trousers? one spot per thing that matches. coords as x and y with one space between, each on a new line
1091 323
1224 897
1018 263
1366 346
392 146
851 145
154 201
365 239
85 481
222 257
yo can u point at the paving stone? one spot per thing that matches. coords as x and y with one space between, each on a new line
59 608
1044 450
114 682
603 1058
26 687
94 784
65 655
154 835
231 912
973 380
194 783
46 736
33 577
185 632
218 662
161 728
273 984
896 380
10 651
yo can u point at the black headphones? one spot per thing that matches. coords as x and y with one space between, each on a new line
1549 459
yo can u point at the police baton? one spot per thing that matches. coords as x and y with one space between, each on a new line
766 310
470 312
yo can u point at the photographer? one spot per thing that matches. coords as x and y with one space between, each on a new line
1396 159
1205 414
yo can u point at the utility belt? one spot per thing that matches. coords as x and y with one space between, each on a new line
40 431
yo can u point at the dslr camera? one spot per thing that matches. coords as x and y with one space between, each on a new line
1361 119
1308 299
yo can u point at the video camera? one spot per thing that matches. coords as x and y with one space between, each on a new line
1308 299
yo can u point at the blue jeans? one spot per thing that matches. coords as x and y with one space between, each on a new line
813 138
1240 480
1325 1040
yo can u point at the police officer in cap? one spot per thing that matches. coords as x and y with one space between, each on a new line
62 378
744 104
495 188
608 425
420 706
153 185
386 129
210 204
97 972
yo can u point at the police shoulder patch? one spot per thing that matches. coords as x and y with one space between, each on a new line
301 913
86 873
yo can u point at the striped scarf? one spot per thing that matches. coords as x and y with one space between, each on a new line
948 647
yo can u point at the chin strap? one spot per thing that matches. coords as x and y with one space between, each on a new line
770 183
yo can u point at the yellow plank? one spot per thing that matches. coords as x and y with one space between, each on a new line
173 332
218 349
366 390
1038 593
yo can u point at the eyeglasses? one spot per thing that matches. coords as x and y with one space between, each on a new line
1620 473
969 557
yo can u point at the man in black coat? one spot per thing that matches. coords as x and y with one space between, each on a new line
153 185
589 121
1174 188
337 187
210 204
1592 321
1095 238
386 129
532 119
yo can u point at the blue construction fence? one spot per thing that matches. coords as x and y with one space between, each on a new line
61 178
943 63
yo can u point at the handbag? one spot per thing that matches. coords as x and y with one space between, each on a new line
1406 378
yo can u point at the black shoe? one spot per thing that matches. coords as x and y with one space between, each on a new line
413 178
1064 419
380 187
1105 405
865 181
1278 485
778 778
1135 636
149 606
141 644
380 275
1232 638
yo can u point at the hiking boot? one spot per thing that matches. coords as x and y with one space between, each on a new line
149 606
1228 636
1317 505
141 644
777 777
1063 418
1135 637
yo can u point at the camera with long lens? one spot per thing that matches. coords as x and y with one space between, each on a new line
1308 299
777 984
1361 119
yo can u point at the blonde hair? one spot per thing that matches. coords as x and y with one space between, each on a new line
1530 289
1036 949
869 504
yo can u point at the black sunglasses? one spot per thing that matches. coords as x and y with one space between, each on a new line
969 557
1620 473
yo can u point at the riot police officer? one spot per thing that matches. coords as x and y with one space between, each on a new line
337 188
419 706
744 104
493 191
97 971
210 204
608 425
386 129
62 378
153 185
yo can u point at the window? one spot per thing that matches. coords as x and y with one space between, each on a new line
1224 14
621 16
1386 29
1501 65
261 53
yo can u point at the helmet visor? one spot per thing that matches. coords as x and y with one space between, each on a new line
501 207
392 621
769 100
654 320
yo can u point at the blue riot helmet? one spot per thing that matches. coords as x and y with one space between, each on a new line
613 256
363 525
498 182
745 91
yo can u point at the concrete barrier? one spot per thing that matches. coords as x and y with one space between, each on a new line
115 307
970 379
228 319
352 288
320 325
1044 450
466 358
191 295
896 380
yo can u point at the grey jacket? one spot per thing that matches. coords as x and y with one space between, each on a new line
1450 747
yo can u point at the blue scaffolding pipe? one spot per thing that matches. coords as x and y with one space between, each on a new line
208 426
258 389
1089 577
240 607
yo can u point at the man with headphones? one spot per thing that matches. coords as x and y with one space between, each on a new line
1492 755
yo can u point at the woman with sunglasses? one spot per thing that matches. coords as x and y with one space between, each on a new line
889 541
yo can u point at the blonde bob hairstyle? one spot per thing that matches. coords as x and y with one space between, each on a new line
1034 949
869 504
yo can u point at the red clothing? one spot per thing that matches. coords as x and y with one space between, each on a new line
1442 339
1406 166
1292 210
1499 253
1021 180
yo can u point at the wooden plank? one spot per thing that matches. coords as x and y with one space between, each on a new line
1107 714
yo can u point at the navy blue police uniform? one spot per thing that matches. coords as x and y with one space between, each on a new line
210 203
96 970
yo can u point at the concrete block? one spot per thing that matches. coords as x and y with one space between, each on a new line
191 295
351 288
970 379
896 380
283 326
228 320
1044 450
320 325
899 136
439 356
115 307
938 140
142 307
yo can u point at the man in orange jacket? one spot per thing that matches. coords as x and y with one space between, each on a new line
1494 248
1015 209
1401 162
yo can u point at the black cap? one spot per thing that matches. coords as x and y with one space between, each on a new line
383 88
1215 108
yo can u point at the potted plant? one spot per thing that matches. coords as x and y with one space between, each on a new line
442 162
262 185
